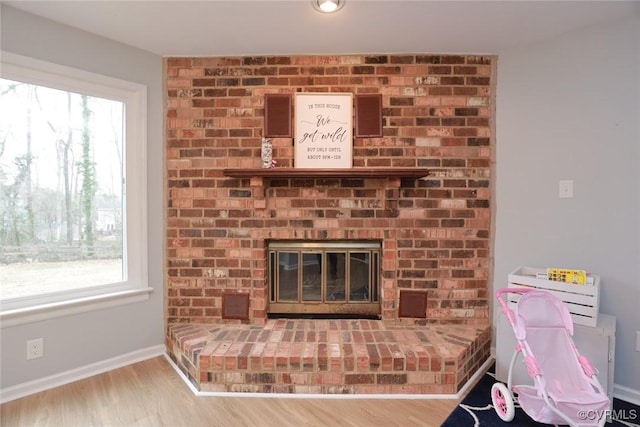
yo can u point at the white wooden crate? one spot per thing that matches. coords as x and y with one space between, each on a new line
582 300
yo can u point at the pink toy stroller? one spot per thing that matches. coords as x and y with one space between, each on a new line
565 390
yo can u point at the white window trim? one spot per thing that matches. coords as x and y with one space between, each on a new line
134 96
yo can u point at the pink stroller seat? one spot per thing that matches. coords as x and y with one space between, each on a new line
543 323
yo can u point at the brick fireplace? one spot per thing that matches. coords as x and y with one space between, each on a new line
433 227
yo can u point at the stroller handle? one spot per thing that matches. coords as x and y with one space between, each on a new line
503 304
501 291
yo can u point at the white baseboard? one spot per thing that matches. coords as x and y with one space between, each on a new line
21 390
627 394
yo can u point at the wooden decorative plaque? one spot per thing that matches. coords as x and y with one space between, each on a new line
277 115
368 115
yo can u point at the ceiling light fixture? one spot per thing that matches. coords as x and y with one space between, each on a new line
328 6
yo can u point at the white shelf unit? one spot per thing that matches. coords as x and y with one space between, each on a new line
582 300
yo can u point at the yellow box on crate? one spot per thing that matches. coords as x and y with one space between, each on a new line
576 277
583 301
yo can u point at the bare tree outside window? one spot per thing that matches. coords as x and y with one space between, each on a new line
61 190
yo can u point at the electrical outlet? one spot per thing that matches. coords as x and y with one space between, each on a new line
35 348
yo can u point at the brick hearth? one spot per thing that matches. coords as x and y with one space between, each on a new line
328 356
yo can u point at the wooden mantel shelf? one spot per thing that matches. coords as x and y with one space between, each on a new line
392 176
327 173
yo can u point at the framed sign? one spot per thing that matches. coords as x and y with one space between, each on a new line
323 130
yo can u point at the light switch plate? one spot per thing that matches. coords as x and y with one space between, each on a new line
565 189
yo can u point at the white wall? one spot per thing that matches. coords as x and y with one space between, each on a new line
76 341
569 109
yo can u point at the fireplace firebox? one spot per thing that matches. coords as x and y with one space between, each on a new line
324 278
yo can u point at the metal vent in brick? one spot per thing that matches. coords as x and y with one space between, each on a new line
413 304
235 306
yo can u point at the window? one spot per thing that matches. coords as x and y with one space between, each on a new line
72 190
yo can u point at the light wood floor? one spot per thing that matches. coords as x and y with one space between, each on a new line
151 393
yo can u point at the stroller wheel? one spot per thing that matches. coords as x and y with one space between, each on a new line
503 402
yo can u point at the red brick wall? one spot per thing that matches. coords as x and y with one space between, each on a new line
437 115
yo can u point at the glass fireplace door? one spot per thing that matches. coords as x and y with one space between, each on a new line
324 278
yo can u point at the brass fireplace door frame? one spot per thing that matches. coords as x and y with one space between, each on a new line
362 300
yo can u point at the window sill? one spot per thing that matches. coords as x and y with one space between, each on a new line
43 312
